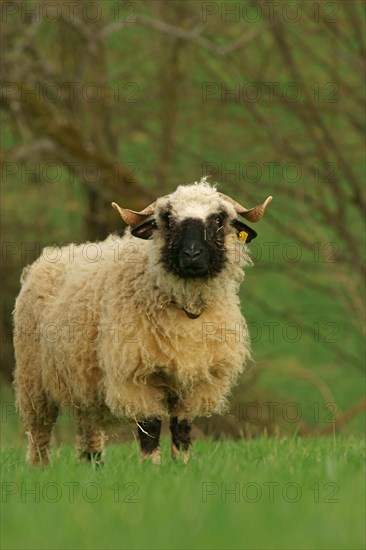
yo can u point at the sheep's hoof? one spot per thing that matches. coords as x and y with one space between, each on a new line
185 457
93 457
177 454
154 457
37 460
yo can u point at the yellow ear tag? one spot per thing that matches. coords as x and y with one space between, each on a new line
243 235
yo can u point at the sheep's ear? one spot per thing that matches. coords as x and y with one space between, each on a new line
244 232
145 229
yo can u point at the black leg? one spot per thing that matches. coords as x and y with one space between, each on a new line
92 457
149 436
181 438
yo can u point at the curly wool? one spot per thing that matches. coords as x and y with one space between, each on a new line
112 336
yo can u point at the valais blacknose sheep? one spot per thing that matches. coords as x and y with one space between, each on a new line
142 326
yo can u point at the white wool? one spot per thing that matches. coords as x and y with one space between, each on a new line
130 338
198 200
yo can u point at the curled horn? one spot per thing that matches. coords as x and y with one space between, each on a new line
253 214
131 217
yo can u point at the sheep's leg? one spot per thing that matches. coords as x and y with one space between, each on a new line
181 438
149 436
38 412
39 435
91 441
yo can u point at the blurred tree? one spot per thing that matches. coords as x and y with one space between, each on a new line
156 93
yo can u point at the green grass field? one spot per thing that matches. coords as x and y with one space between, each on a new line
264 493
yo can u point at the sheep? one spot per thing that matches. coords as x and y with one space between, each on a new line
151 329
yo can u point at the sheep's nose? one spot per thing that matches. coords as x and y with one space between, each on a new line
193 251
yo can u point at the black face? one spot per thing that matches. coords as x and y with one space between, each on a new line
194 248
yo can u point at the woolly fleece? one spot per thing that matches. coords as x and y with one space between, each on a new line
103 329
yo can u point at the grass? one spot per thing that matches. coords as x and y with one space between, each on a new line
264 493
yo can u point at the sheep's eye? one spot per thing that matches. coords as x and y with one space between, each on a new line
218 221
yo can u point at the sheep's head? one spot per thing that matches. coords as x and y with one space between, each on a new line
193 226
